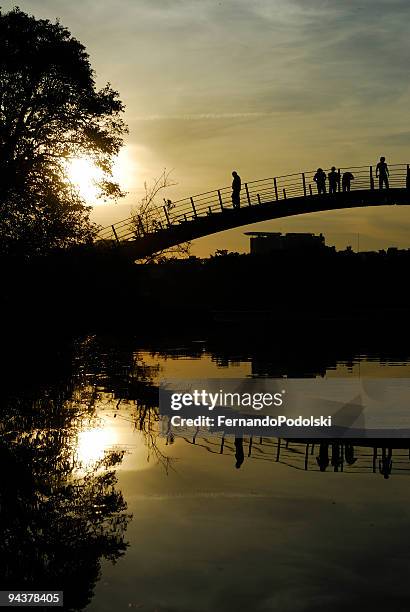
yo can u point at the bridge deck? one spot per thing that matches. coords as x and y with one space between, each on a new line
205 214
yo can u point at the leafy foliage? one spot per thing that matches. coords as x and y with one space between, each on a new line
50 112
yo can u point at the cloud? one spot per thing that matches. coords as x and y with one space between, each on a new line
200 116
401 139
201 57
270 87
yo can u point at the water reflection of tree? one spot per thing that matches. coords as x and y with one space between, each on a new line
123 375
146 420
58 521
127 376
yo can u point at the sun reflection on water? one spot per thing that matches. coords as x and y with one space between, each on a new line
93 444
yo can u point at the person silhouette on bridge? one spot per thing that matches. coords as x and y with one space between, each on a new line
320 180
347 178
236 190
382 173
333 177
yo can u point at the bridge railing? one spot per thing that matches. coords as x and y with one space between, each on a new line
254 193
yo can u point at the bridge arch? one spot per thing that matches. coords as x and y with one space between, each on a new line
272 198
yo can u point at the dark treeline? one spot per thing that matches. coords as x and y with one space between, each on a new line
85 290
290 285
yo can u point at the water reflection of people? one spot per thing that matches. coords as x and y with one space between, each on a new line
239 454
349 454
386 463
337 457
323 457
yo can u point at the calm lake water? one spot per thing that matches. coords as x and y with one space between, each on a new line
94 502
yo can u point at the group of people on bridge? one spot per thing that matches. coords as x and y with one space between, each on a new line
334 178
334 181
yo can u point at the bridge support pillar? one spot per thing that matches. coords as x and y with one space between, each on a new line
304 184
247 194
140 225
371 178
278 450
167 215
193 207
115 234
220 200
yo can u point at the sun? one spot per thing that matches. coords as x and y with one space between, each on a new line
84 174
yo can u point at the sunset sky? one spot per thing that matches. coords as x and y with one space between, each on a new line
265 87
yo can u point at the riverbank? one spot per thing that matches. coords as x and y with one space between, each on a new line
87 291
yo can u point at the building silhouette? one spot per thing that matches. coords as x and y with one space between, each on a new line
263 243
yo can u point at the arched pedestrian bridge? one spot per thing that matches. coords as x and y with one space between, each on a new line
272 198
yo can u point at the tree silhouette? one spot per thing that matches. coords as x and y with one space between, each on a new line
146 215
50 112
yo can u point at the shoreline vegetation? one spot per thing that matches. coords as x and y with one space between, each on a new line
84 290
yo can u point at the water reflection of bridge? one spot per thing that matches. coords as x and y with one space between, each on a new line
386 457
